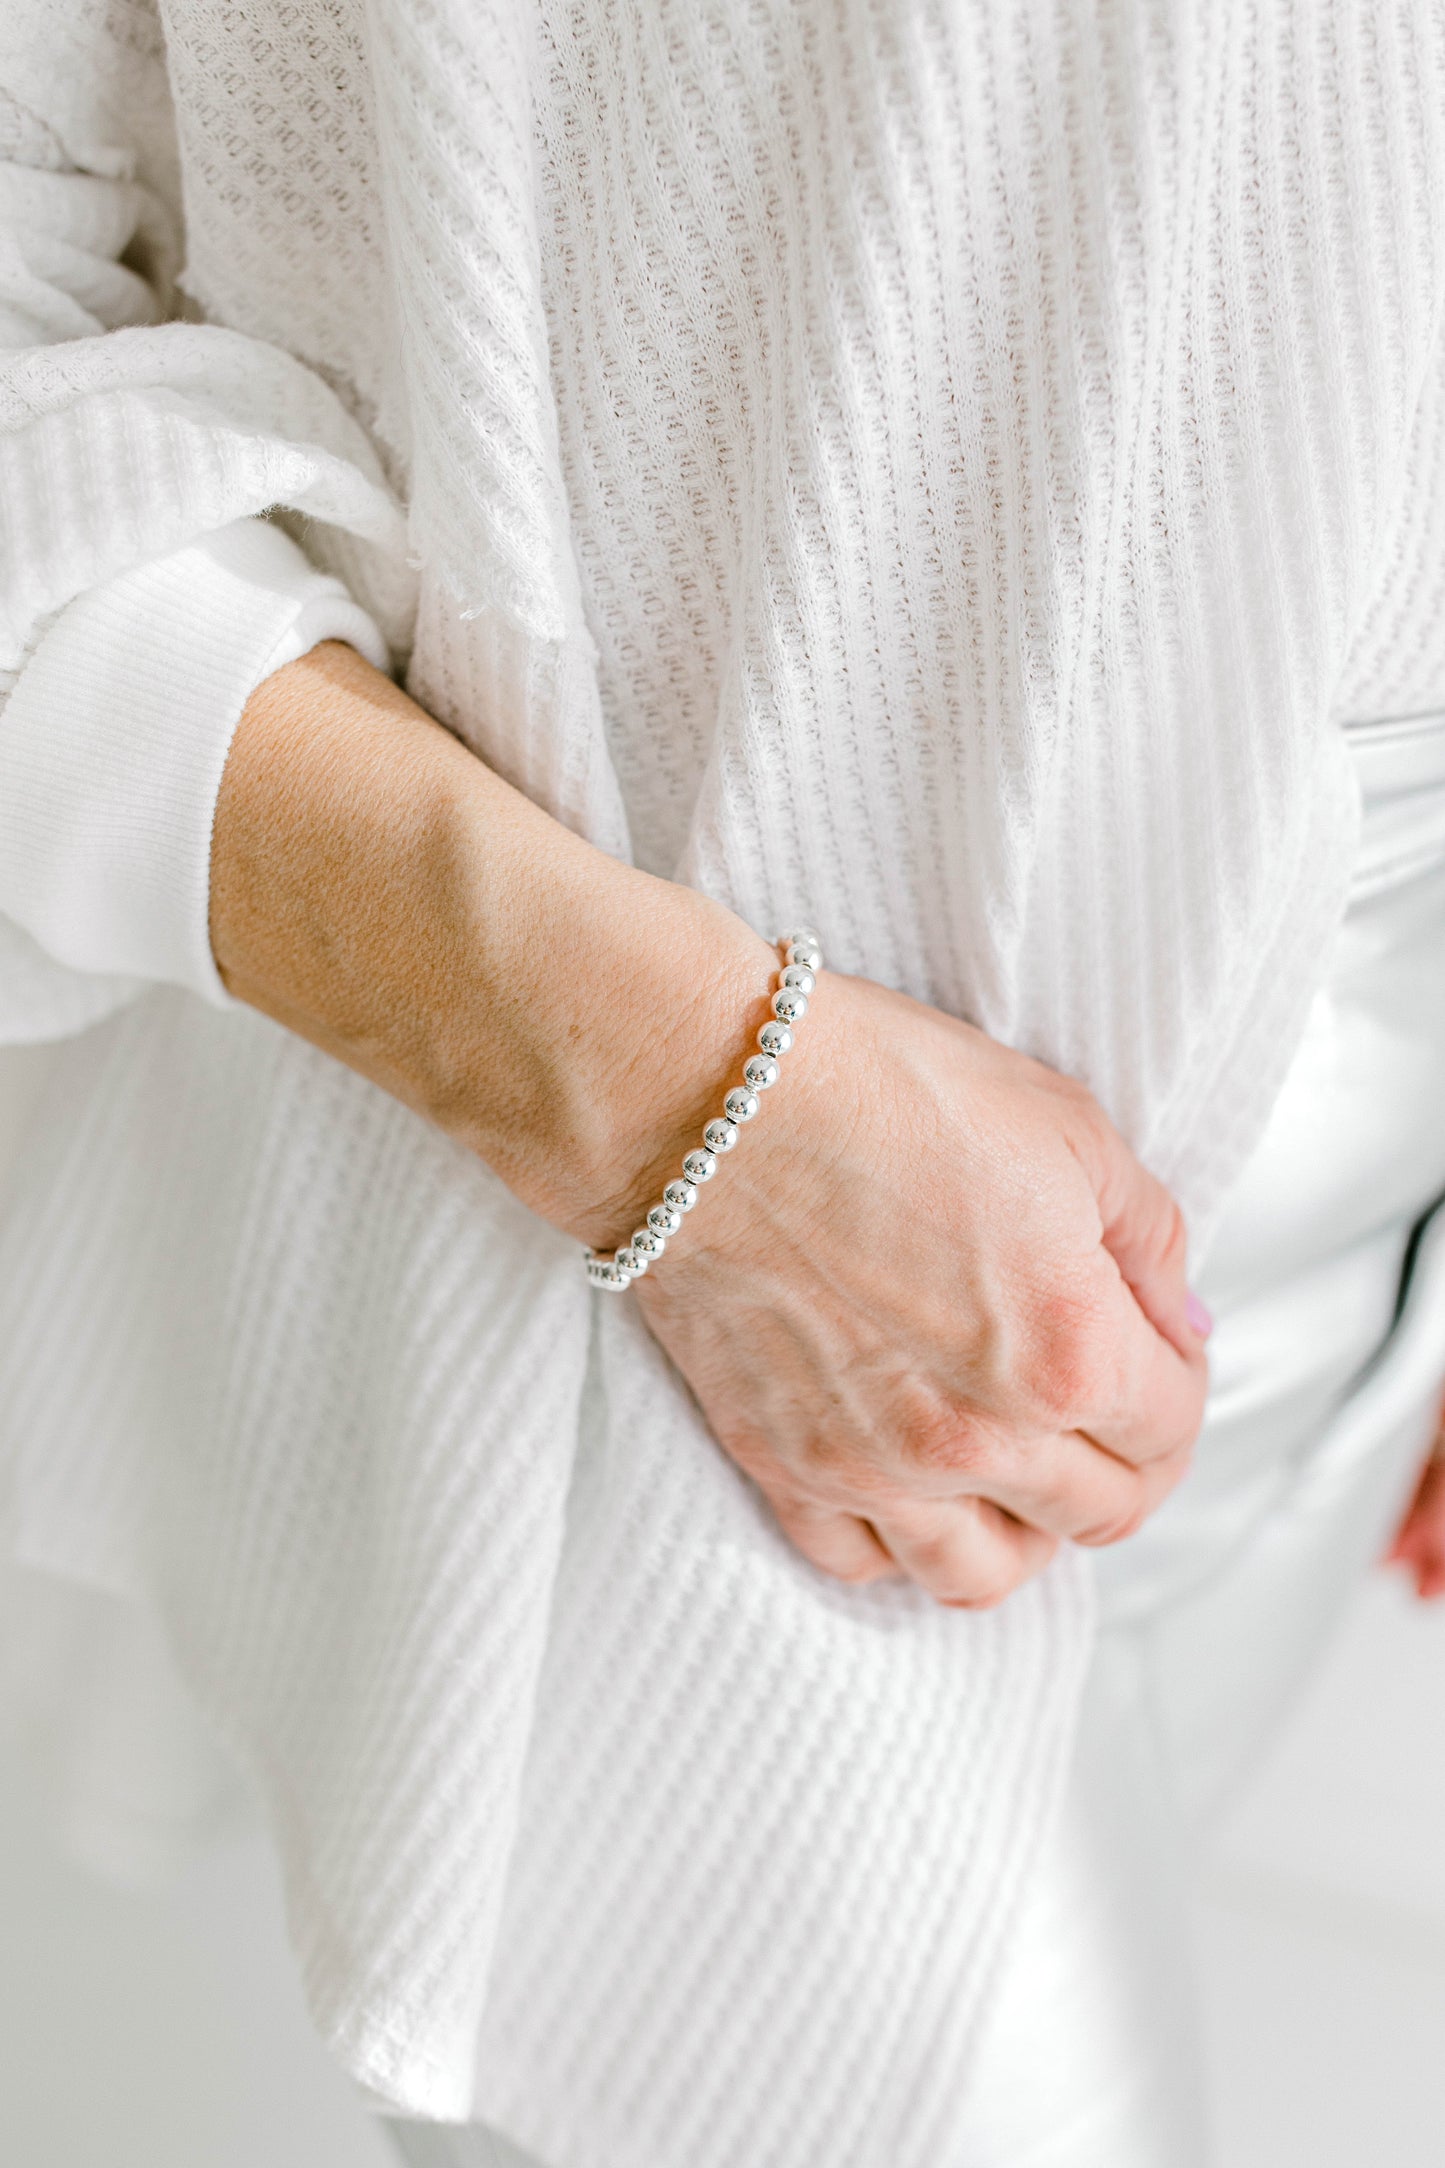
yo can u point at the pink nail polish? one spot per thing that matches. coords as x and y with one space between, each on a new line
1199 1318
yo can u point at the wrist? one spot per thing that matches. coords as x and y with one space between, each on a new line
648 999
379 890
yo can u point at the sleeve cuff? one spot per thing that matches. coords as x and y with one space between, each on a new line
114 738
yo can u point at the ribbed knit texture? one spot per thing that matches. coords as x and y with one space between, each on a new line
936 470
116 734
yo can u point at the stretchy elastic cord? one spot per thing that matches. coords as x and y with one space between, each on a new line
802 961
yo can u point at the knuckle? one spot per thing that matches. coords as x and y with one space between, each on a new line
1156 1479
1055 1502
1169 1472
961 1580
1116 1530
831 1558
1167 1453
852 1482
1164 1452
933 1432
1075 1368
985 1591
935 1559
837 1548
944 1439
853 1572
1002 1579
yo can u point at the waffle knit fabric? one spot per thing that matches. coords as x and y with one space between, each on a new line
937 471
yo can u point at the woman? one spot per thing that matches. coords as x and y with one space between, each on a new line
936 480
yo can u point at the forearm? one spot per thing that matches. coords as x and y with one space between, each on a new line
380 891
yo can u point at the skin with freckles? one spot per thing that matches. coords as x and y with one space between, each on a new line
933 1306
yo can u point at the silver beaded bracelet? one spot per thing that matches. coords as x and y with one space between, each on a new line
802 961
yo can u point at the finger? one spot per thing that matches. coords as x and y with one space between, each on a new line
1144 1233
1406 1536
1110 1374
836 1543
1423 1560
1420 1544
1068 1486
1425 1514
967 1552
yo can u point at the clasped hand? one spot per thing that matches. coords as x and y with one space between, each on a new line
936 1309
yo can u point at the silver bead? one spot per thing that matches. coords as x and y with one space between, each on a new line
775 1038
664 1219
699 1166
797 936
630 1261
807 953
799 978
648 1243
602 1272
761 1072
682 1196
789 1006
741 1104
719 1137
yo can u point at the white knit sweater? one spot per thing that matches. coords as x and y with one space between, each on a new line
939 470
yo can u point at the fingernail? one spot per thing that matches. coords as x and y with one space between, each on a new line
1199 1318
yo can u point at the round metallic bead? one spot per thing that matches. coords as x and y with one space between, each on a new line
682 1196
602 1272
775 1038
796 936
648 1243
761 1072
699 1166
720 1136
799 978
664 1219
630 1261
741 1104
807 953
789 1006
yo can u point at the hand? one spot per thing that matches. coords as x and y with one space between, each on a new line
1420 1545
934 1307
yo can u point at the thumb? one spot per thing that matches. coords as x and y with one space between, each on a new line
1145 1234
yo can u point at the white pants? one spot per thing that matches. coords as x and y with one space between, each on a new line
1089 2057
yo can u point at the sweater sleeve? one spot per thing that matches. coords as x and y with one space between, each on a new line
141 597
113 742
